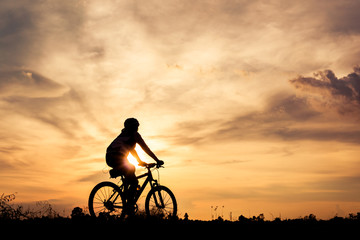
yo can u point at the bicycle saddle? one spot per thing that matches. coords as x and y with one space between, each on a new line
115 173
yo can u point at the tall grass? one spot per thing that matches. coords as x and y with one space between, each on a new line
11 211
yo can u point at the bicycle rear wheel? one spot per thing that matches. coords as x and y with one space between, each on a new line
106 200
160 202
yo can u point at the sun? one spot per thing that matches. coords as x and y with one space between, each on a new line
141 154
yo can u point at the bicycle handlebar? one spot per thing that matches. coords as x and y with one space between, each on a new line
151 165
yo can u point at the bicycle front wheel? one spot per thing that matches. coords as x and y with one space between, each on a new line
106 200
160 202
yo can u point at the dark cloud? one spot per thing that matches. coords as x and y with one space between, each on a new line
343 16
332 17
17 33
285 118
281 113
342 94
349 135
34 96
188 17
61 112
289 118
30 30
27 83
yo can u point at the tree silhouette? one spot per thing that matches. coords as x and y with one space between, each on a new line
311 218
77 213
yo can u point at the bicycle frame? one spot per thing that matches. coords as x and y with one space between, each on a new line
149 179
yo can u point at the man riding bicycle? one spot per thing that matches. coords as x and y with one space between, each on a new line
119 149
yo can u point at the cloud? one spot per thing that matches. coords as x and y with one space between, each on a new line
94 178
342 17
281 109
17 33
349 135
286 117
290 117
27 83
331 188
337 188
31 30
283 113
67 113
341 94
32 95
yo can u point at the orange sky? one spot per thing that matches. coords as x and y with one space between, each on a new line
253 105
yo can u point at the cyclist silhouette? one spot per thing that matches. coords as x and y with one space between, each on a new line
119 149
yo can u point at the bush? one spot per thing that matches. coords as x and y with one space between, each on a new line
8 211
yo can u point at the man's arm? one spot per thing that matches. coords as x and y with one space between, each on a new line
145 147
135 155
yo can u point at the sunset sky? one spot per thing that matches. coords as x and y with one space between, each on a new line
253 105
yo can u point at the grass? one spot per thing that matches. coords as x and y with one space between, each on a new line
44 217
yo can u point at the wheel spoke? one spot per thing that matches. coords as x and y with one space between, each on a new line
106 199
161 203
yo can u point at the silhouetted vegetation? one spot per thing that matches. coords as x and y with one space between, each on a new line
9 211
43 212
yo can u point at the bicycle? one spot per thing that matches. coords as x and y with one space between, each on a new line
109 199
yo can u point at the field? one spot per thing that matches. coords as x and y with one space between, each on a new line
44 221
86 227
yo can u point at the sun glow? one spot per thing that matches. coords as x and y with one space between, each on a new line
141 154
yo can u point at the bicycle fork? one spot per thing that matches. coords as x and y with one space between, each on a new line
159 201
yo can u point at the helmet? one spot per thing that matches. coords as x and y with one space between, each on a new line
131 124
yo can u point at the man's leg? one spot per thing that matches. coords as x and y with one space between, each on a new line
133 183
